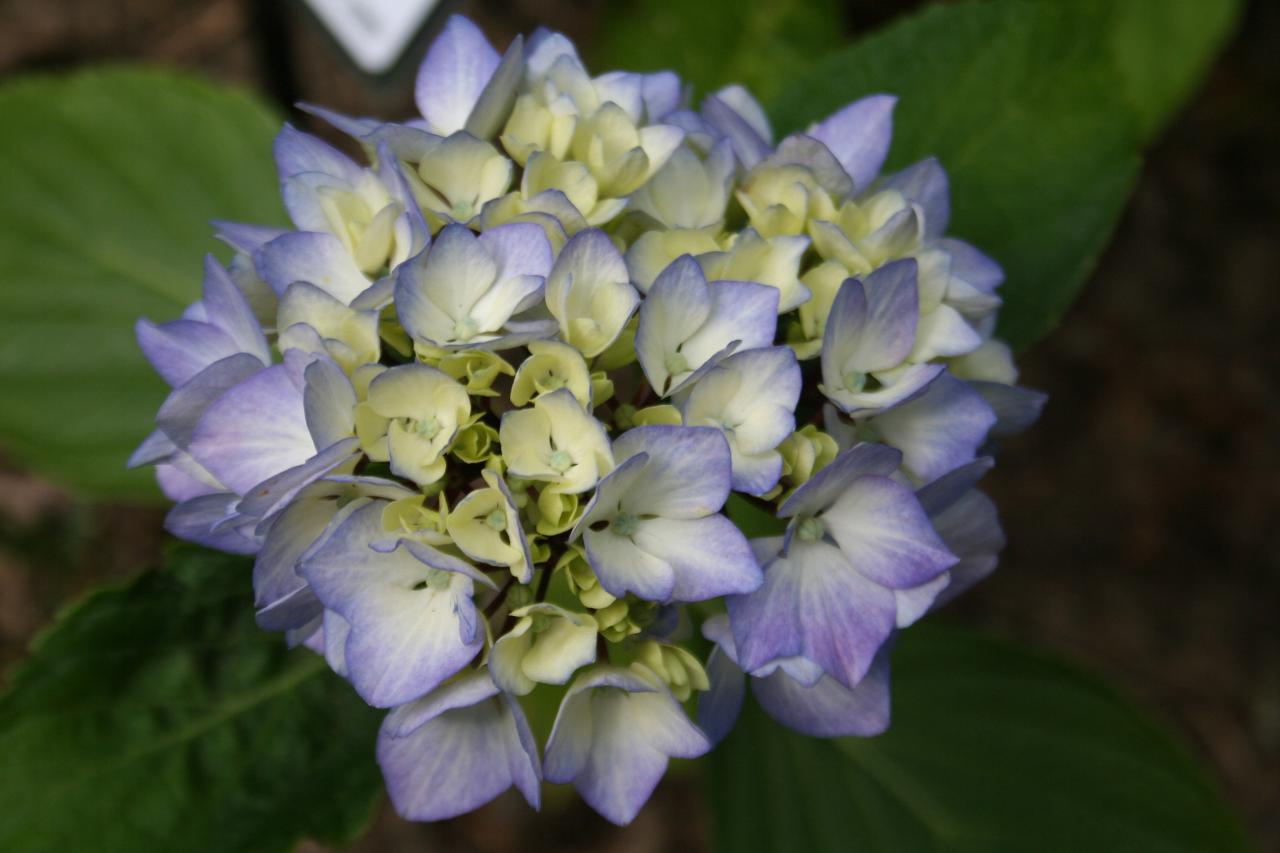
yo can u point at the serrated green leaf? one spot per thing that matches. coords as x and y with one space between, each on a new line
992 748
710 43
159 717
110 179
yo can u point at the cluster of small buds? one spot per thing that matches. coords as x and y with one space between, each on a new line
485 415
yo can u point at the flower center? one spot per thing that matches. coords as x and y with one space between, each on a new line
436 580
497 520
560 461
811 530
465 329
625 524
855 381
427 428
677 363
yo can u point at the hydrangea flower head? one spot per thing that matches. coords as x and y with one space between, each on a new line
489 414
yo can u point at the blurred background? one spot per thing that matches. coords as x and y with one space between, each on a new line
1141 511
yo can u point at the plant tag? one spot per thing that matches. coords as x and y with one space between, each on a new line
373 32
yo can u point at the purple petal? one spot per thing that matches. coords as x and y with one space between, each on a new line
753 394
884 532
940 494
156 447
357 128
828 708
178 485
662 94
453 74
226 307
938 430
859 136
709 556
436 559
972 265
872 324
739 99
687 474
254 431
740 311
181 478
412 229
310 636
904 386
493 106
926 184
518 249
544 48
915 602
406 142
293 612
678 303
454 248
303 200
271 495
623 567
183 408
944 332
815 156
406 636
756 474
737 316
336 632
520 539
180 349
328 403
824 487
698 132
624 89
1016 408
245 238
298 153
814 605
896 236
569 746
317 258
464 691
458 759
719 707
665 622
194 520
275 575
614 744
605 503
748 144
971 528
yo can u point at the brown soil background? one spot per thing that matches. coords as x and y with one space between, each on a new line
1141 511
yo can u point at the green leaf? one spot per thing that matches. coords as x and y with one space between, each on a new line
110 179
992 748
159 717
751 518
710 43
1020 103
1162 49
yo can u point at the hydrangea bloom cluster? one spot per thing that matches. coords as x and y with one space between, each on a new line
481 414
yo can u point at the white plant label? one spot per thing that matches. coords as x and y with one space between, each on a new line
373 32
